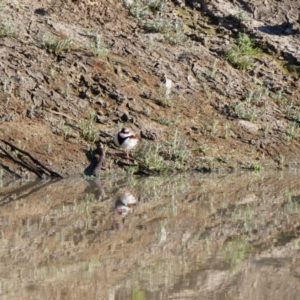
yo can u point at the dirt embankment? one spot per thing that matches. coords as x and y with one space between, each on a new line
73 72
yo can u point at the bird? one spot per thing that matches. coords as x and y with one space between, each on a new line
124 202
126 139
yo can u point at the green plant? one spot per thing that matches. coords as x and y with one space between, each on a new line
88 132
236 250
59 126
158 24
97 47
227 128
10 116
2 7
214 68
141 8
131 170
242 51
169 121
287 105
246 111
291 131
49 148
20 145
214 129
176 34
52 72
241 16
206 88
151 155
8 29
67 131
148 111
55 44
204 148
266 129
151 42
165 121
177 149
280 160
67 91
6 85
257 166
137 8
167 156
224 158
156 5
31 110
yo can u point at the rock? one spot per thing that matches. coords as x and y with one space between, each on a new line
102 119
249 126
148 135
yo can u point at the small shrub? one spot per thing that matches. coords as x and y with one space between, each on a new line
172 29
97 47
176 34
141 8
169 121
56 44
257 166
137 8
242 51
245 110
52 72
87 129
165 121
67 132
158 25
156 5
178 148
2 7
227 128
241 16
7 29
248 109
151 155
49 148
167 156
292 130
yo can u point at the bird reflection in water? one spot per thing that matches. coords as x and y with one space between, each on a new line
124 202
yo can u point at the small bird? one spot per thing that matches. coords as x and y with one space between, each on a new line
126 139
124 202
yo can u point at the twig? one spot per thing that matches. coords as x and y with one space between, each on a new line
60 114
142 168
52 173
101 152
22 164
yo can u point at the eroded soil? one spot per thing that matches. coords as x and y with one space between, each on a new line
222 117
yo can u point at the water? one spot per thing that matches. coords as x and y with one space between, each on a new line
191 236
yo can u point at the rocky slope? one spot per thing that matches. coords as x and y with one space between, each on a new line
74 72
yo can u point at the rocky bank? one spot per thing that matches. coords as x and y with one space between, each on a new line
73 72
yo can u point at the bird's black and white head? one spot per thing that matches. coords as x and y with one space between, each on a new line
125 132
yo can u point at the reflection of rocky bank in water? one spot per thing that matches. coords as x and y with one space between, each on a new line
124 202
198 236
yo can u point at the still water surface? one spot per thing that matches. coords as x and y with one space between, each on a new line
188 236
